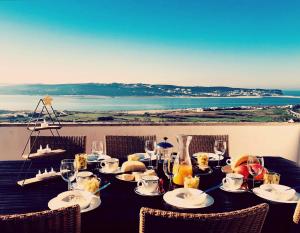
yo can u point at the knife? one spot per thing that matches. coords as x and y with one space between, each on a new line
213 188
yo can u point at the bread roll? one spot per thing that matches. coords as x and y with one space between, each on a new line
133 166
135 157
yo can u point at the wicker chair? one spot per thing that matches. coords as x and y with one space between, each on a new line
205 143
121 146
296 216
72 144
248 220
65 220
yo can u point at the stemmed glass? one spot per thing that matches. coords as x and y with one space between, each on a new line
150 147
255 165
220 147
168 168
68 171
97 148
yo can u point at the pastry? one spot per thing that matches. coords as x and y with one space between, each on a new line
135 157
80 161
133 166
127 177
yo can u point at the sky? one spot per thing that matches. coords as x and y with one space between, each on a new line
239 43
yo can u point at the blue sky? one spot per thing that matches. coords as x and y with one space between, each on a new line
225 42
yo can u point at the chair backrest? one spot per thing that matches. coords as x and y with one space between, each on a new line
65 220
72 144
205 143
248 220
121 146
296 215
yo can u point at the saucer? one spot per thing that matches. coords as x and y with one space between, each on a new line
147 157
140 191
99 158
211 156
207 171
227 189
104 171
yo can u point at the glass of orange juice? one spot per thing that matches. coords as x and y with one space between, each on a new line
181 171
191 182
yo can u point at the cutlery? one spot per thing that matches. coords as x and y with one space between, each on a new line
213 188
103 187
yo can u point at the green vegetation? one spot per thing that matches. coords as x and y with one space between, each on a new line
250 115
264 115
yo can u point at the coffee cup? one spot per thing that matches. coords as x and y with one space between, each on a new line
82 177
149 184
233 181
110 165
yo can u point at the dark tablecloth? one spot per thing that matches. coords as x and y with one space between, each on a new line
119 210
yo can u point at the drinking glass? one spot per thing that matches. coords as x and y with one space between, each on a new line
220 147
68 171
150 147
255 165
97 148
168 168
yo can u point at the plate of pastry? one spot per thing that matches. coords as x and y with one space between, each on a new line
135 176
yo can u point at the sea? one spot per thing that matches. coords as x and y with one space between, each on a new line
100 103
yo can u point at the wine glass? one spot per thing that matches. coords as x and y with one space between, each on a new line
97 148
150 147
168 168
68 171
220 147
255 165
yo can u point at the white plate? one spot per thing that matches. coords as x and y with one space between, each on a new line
172 199
119 177
211 156
101 170
56 203
261 193
100 157
226 189
139 191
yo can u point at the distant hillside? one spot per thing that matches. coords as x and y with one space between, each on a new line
118 89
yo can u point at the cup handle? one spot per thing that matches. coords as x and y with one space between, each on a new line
228 161
224 181
102 165
140 183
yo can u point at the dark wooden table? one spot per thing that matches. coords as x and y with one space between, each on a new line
119 211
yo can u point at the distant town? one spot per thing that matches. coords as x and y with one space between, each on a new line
138 89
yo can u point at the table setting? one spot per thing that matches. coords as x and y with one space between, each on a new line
177 177
172 181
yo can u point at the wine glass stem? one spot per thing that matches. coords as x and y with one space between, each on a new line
219 160
69 186
170 183
150 160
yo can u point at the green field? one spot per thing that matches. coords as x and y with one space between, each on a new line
257 115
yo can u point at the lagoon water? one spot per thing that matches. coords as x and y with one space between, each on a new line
98 103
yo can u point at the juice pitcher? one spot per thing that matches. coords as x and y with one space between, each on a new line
182 165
